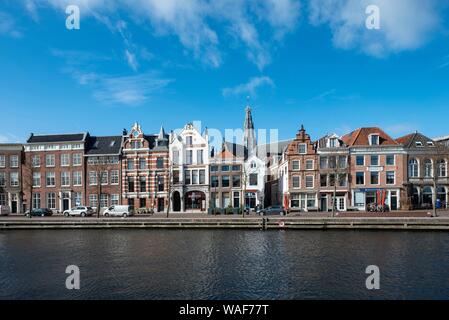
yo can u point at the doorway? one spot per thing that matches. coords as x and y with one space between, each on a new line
323 203
393 200
176 201
160 204
14 203
65 201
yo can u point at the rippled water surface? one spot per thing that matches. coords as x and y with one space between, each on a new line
223 264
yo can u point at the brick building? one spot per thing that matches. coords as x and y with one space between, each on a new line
377 169
145 170
11 158
53 174
302 181
426 173
103 171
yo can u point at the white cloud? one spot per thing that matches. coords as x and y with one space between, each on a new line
131 58
404 24
8 26
194 22
8 138
250 87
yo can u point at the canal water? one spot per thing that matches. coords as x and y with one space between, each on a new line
223 264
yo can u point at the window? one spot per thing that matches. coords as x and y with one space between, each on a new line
14 161
189 156
78 198
309 164
342 180
2 161
136 144
323 180
14 179
294 201
65 179
295 165
189 140
442 168
213 168
187 177
3 200
143 184
225 181
342 162
226 200
331 180
2 179
253 179
130 184
93 200
302 148
114 199
360 160
195 177
413 168
142 163
202 176
92 178
50 160
114 177
236 181
428 170
374 177
65 160
374 160
160 162
199 157
130 164
50 179
333 143
160 183
225 168
390 160
36 161
77 159
296 182
359 178
214 181
309 181
77 178
236 167
176 176
374 139
36 179
104 177
51 200
253 165
390 177
103 200
36 200
175 156
323 162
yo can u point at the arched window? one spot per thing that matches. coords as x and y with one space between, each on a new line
441 194
427 195
442 168
413 168
428 170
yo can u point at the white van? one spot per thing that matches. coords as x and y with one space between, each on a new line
4 210
119 211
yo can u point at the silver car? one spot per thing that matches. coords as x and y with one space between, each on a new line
79 211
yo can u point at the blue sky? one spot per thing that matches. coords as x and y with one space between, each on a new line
310 62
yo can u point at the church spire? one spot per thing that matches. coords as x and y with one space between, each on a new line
249 138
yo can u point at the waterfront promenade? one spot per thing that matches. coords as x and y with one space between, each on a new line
406 220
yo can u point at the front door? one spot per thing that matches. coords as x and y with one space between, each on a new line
65 204
160 204
394 200
324 203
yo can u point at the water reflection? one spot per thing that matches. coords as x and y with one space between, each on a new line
223 264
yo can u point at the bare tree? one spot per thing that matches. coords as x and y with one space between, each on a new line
439 160
169 183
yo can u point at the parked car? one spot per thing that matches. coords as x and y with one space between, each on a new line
119 211
272 210
79 211
41 212
4 210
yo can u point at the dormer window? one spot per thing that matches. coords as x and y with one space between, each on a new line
430 143
302 148
333 143
112 143
418 143
374 140
136 144
189 140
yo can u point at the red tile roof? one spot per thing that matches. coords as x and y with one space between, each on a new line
360 136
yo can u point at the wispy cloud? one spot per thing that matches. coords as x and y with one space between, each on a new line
322 95
404 24
250 87
400 129
8 26
8 138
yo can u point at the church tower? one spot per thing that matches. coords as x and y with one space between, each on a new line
249 136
